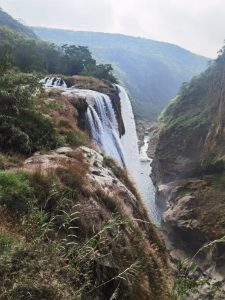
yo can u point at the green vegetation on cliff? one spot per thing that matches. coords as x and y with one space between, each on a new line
190 159
7 20
193 125
28 53
62 236
52 247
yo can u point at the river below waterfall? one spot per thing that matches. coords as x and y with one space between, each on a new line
145 184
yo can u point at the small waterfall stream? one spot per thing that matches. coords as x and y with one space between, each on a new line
53 82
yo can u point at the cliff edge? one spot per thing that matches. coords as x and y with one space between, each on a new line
72 224
188 168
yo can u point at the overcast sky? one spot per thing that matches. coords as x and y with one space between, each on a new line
197 25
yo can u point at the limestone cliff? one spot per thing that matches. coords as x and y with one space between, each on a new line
188 168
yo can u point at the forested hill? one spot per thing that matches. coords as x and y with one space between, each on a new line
152 71
7 20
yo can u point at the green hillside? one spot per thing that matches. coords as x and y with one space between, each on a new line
7 20
27 54
152 71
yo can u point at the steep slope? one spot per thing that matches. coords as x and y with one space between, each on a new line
192 139
72 224
152 71
189 165
7 20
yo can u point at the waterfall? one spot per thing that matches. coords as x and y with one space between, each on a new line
129 139
53 82
102 125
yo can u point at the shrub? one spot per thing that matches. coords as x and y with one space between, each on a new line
73 177
22 292
77 138
15 193
45 188
22 128
212 164
39 128
6 242
13 139
10 161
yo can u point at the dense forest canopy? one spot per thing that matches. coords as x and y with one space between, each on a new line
28 55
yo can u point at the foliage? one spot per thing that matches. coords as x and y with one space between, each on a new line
77 59
15 193
77 137
52 227
212 164
188 281
30 55
7 20
22 128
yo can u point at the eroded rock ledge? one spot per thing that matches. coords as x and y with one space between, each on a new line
103 197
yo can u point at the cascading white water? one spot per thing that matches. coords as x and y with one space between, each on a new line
103 127
129 139
55 82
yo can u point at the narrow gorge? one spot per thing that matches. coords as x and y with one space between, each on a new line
188 171
102 198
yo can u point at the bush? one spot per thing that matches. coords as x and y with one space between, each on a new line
46 189
22 128
15 193
212 164
77 138
13 139
73 177
10 161
40 129
22 292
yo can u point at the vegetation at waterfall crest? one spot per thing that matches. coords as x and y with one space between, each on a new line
28 53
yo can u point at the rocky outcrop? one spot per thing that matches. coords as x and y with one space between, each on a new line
106 196
151 129
188 168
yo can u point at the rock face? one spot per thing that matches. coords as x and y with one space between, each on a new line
106 196
188 167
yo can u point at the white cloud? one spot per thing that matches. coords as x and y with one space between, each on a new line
198 25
